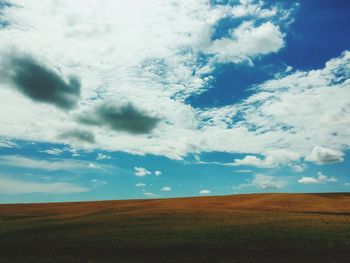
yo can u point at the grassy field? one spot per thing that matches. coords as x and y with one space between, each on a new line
239 228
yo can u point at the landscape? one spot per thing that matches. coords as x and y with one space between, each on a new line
175 131
237 228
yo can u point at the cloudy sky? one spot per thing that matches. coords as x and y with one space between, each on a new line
106 99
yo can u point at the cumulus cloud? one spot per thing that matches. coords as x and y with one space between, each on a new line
248 41
322 155
253 8
157 77
166 189
320 179
251 160
140 185
158 173
140 171
125 118
12 186
204 192
272 159
298 168
40 83
265 182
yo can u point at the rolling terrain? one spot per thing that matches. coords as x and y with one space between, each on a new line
238 228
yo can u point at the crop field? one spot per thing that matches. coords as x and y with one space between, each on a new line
237 228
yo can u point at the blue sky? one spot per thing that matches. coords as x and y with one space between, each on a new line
113 100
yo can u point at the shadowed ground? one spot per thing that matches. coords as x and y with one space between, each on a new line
239 228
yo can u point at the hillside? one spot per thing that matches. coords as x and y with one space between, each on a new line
238 228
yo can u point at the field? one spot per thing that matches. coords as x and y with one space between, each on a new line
238 228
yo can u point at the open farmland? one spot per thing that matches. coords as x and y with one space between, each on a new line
238 228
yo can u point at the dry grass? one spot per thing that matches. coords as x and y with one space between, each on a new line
238 228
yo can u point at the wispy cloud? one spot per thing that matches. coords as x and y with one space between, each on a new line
150 195
102 156
49 165
12 186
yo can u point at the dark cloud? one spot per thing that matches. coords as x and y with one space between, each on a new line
125 118
40 83
80 135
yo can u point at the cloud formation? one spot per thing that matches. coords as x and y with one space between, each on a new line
265 182
125 118
78 135
150 195
12 186
49 165
204 192
102 156
140 171
322 155
321 179
247 41
251 160
40 83
166 189
156 78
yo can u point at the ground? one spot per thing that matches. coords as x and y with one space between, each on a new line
237 228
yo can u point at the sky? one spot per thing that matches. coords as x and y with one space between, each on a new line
111 99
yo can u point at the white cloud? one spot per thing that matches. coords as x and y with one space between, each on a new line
140 171
251 160
97 182
166 189
140 185
272 159
321 179
7 144
92 165
53 151
12 186
150 195
247 41
262 181
158 173
294 112
249 8
204 192
298 168
49 165
155 66
267 182
322 155
243 171
101 156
